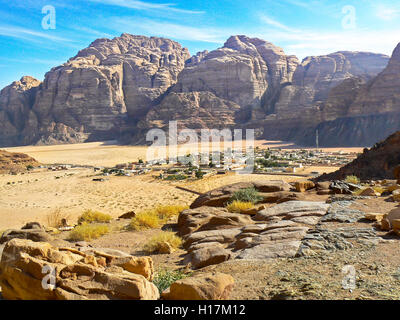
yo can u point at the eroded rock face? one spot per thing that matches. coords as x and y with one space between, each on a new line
121 88
378 162
241 71
15 106
322 89
78 275
192 110
90 96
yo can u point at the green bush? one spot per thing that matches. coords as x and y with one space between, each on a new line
246 195
165 278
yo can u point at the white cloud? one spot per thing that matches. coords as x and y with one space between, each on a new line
28 34
142 5
272 22
170 30
386 13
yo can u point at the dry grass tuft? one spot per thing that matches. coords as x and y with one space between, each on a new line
145 220
156 242
352 179
87 232
155 218
55 219
239 206
167 212
90 216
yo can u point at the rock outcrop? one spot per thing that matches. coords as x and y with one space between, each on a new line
15 162
208 286
213 235
378 162
37 271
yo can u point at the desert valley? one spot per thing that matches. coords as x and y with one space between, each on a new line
303 205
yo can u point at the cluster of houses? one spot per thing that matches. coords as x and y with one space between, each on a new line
293 161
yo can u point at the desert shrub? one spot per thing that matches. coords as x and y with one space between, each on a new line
155 217
164 278
88 232
91 216
379 189
239 206
246 195
154 244
352 179
145 220
55 218
166 212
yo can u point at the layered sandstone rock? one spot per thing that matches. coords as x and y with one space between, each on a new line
15 109
37 271
90 96
241 71
121 88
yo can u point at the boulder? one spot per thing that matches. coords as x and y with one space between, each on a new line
368 192
374 216
303 186
128 215
210 255
77 275
38 235
387 221
396 195
208 286
209 218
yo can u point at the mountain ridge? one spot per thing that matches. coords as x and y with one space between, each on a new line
119 88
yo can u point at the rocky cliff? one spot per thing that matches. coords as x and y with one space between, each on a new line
378 162
120 88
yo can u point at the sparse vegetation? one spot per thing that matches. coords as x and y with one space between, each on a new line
155 217
55 218
167 212
239 206
90 216
88 232
164 278
352 179
246 195
145 220
156 242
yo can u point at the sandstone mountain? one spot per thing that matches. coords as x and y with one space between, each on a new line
121 88
378 162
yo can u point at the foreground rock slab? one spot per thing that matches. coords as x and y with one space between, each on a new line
38 271
205 286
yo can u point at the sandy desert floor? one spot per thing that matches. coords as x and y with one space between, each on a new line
34 195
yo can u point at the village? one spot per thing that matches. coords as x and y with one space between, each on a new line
196 166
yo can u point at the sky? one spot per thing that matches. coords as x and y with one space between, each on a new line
37 35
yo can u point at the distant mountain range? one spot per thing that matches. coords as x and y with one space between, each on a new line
120 88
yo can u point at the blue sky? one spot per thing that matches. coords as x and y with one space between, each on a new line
300 27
